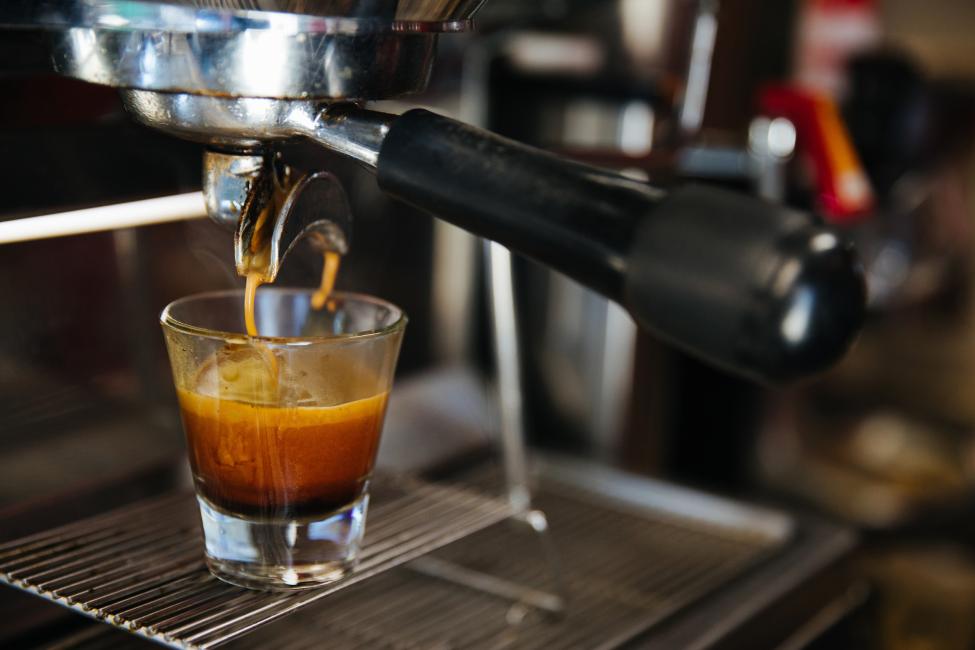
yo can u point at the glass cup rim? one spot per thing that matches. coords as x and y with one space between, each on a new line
166 319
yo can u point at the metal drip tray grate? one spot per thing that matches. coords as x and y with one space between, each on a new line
624 573
142 567
633 553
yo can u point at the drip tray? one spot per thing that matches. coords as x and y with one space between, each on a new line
633 555
141 567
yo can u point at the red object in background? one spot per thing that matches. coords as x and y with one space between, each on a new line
842 186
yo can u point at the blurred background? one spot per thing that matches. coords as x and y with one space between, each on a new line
862 111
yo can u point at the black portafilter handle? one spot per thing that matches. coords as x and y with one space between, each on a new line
749 286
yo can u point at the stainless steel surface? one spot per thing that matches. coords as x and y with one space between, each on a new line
356 66
238 15
231 121
142 567
252 123
355 133
329 49
227 180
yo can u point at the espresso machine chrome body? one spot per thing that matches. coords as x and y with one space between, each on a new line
241 78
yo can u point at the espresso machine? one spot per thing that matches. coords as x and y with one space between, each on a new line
743 284
783 296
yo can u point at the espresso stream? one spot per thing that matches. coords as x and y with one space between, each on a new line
261 441
318 299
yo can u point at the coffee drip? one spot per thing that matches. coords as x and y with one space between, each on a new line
319 299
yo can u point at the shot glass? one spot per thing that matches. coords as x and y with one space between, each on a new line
282 429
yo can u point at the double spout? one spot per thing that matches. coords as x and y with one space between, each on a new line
271 208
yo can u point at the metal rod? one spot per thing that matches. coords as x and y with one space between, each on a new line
101 525
538 523
437 568
699 66
356 133
120 601
178 207
508 359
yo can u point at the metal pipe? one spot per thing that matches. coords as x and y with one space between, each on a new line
508 359
356 133
164 209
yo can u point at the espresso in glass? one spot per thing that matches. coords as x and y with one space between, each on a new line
282 429
256 450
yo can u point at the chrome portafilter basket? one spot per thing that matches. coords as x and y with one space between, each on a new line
242 75
285 49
